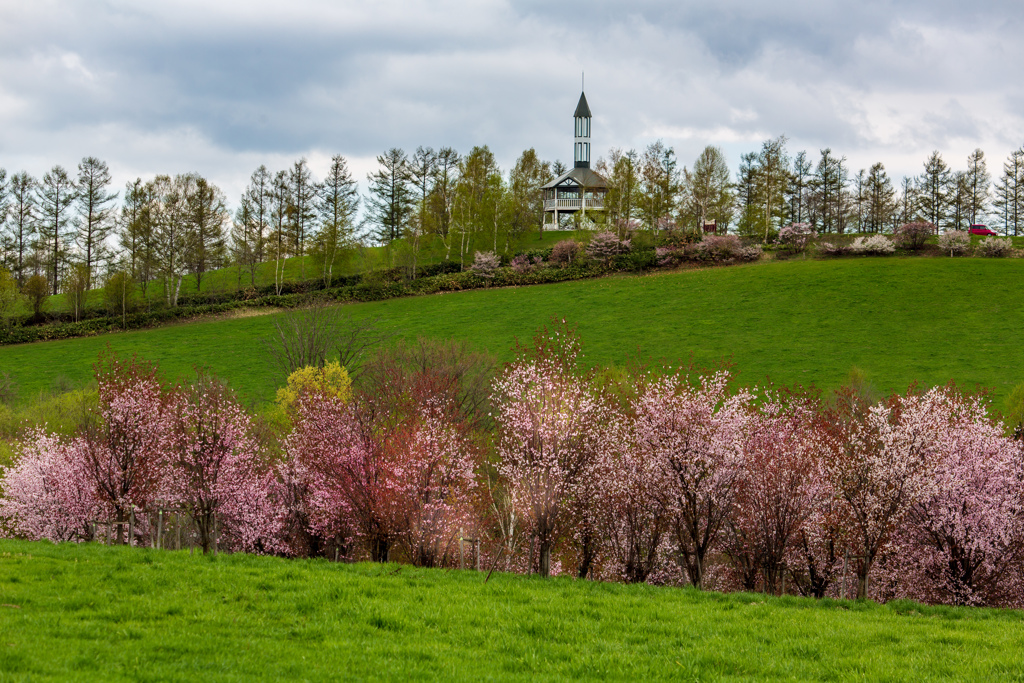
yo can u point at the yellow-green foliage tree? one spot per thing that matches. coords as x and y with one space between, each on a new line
330 380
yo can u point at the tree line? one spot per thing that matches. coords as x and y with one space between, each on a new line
66 232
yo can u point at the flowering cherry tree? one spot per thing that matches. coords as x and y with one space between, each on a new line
963 543
123 451
210 464
46 493
695 434
550 429
637 509
881 464
776 493
351 486
433 461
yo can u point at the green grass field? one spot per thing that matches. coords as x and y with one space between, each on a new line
89 612
799 322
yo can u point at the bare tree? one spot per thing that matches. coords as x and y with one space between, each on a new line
312 335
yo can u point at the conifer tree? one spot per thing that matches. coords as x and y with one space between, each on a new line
95 214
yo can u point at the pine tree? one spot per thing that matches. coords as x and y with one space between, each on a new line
22 223
56 193
337 206
933 190
979 183
880 198
136 232
207 214
302 192
799 187
390 203
1010 193
95 214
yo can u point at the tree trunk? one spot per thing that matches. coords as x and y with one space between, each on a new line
545 559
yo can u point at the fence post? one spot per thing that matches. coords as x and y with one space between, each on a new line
160 528
177 531
131 527
477 553
846 562
215 539
460 549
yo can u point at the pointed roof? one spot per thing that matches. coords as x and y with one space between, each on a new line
582 109
576 177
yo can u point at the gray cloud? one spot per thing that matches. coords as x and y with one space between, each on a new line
220 87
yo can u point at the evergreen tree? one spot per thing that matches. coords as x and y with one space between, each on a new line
1010 193
21 223
880 198
933 190
979 183
831 179
799 187
207 215
390 204
302 192
55 195
751 216
95 215
337 206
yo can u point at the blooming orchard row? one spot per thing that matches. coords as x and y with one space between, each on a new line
666 477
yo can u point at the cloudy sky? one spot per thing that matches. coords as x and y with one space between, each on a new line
220 86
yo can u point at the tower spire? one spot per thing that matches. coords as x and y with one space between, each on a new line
581 146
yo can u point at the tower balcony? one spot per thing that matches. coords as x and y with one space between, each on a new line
573 204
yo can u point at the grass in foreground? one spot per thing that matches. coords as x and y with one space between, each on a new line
96 613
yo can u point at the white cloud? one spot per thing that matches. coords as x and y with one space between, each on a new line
220 87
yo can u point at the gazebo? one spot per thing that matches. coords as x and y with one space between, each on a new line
580 189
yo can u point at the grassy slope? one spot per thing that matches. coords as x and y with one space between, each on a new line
92 612
899 320
296 269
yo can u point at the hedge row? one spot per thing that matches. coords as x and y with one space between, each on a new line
386 285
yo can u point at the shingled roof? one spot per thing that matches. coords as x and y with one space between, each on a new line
582 109
577 177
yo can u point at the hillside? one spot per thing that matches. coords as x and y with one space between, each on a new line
899 320
84 612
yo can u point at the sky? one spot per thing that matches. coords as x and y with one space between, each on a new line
220 86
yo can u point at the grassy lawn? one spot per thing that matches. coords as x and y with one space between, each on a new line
898 320
88 612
